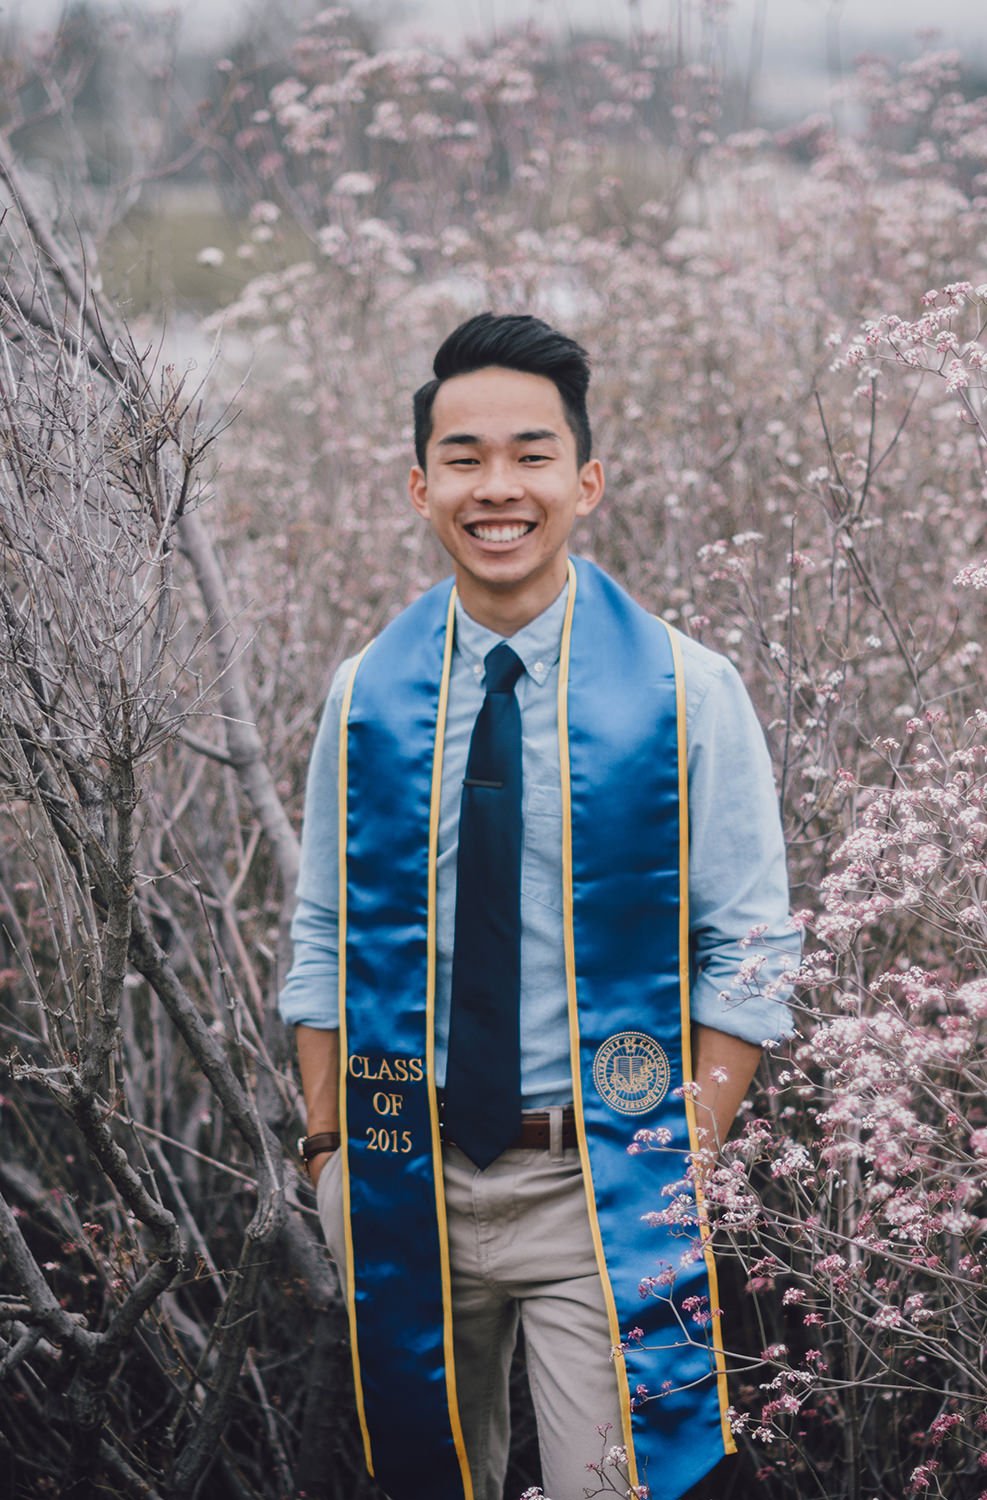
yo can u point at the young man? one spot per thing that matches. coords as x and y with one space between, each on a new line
539 824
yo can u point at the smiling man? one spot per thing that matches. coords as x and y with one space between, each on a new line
540 828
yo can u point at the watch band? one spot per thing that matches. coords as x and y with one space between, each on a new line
314 1145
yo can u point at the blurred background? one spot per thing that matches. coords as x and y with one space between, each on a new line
233 236
780 60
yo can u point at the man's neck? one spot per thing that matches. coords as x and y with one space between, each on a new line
505 611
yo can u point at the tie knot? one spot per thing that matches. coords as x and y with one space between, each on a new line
503 668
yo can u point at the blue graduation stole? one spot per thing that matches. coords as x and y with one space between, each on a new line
625 899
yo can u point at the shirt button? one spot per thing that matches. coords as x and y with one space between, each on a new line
539 667
478 669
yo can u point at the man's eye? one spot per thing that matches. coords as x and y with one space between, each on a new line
535 458
461 463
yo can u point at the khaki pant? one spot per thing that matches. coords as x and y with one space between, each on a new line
520 1247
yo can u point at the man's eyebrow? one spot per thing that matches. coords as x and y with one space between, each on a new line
470 439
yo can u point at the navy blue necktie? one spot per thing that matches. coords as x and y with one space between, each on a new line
483 1074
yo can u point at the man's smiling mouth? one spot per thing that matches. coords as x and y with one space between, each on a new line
489 531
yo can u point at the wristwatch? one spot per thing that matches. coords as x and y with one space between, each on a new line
310 1146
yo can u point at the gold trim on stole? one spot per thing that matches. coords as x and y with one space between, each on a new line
729 1445
574 1040
342 793
433 1102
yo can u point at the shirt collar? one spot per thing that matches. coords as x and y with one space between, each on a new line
538 644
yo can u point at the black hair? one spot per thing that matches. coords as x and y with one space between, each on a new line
512 341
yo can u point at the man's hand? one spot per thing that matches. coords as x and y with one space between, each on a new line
723 1067
318 1063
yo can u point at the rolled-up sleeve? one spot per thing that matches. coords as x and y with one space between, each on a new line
311 990
744 946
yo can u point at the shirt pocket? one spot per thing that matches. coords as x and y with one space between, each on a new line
541 859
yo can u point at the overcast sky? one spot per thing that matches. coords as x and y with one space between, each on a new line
795 31
799 23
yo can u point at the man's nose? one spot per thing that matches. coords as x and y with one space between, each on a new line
498 482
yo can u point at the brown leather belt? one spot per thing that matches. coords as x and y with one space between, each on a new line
536 1130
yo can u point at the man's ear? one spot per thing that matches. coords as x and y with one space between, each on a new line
592 483
418 490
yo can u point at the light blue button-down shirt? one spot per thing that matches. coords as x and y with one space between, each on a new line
737 874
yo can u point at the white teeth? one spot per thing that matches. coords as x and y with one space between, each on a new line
500 533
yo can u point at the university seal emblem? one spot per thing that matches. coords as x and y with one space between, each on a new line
631 1072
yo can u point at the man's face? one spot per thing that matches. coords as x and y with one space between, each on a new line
502 489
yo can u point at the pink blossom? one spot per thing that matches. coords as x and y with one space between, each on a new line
354 185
